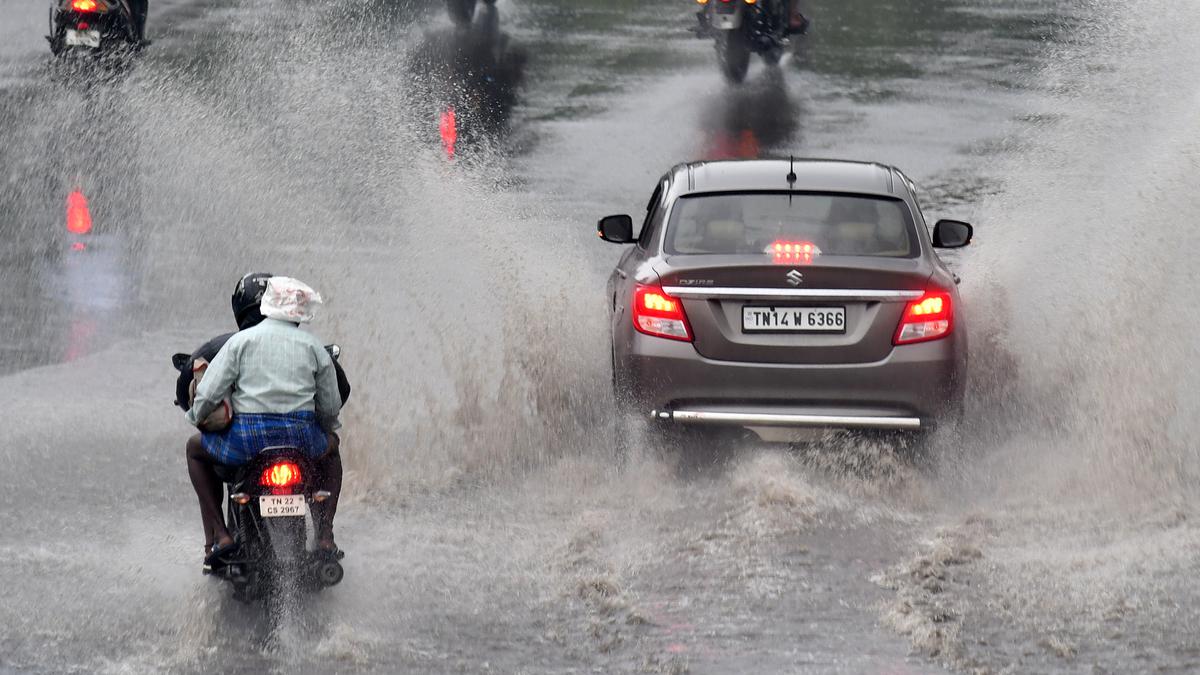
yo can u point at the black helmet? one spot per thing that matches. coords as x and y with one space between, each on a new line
247 296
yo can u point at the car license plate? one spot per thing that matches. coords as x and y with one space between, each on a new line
83 38
794 319
274 506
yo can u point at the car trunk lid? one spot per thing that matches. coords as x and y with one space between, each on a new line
743 310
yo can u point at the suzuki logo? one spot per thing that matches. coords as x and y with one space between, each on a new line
795 278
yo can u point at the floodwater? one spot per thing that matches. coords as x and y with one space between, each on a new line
439 187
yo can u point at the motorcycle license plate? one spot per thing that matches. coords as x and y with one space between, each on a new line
727 21
275 506
83 38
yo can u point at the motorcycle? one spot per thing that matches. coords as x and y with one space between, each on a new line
269 513
462 12
92 27
742 28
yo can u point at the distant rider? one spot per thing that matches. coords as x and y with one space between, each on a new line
284 389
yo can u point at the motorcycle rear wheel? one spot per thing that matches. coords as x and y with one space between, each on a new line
462 12
733 54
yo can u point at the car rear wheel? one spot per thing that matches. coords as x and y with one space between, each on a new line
634 437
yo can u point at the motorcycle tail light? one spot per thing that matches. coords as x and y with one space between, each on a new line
658 314
84 5
281 475
929 317
79 218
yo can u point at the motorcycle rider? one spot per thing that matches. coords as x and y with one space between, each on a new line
285 390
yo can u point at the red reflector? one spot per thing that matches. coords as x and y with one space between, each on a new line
83 25
280 475
448 128
929 317
658 314
79 219
793 252
79 246
83 5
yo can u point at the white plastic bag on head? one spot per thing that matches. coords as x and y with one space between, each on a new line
287 299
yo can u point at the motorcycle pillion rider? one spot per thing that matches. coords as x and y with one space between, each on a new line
284 389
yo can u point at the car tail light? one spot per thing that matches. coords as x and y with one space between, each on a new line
793 252
658 314
448 129
83 5
281 475
927 318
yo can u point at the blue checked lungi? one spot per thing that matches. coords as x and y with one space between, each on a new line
251 433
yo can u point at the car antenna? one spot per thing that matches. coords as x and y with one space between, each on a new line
791 178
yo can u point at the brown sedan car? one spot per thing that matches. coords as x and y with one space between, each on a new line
786 293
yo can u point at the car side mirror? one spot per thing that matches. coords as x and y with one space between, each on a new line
180 361
952 234
617 229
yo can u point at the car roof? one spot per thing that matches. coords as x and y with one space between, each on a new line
816 175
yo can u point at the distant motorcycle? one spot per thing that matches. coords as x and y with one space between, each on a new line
462 12
91 27
269 515
742 28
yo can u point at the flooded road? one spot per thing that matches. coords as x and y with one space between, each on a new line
439 188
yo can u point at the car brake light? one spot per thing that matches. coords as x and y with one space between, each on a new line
448 128
83 5
658 314
793 252
280 475
927 318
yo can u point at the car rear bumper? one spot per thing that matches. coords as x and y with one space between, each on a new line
913 388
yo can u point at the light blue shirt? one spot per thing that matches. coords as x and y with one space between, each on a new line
273 367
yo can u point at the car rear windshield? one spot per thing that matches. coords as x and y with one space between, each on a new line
835 224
